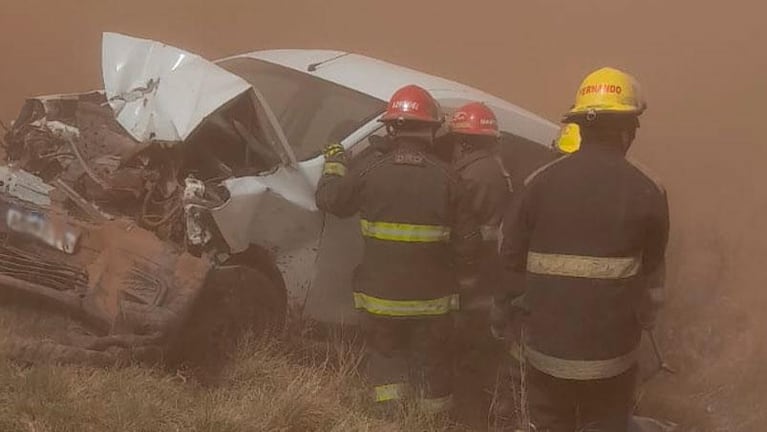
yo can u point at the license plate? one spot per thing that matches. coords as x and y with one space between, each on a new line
56 235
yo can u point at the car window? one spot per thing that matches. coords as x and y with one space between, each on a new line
365 147
312 112
232 141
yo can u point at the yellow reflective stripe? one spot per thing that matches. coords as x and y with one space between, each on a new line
581 369
334 168
435 405
406 308
402 232
388 392
583 266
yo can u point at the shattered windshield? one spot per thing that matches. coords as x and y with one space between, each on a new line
313 112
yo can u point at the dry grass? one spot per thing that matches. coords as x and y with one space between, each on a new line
269 386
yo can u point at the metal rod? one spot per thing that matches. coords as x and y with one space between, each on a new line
658 354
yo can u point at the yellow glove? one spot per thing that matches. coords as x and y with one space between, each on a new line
335 160
334 153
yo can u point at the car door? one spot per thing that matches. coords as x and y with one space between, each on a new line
340 248
274 211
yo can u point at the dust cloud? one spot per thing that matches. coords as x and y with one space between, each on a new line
701 64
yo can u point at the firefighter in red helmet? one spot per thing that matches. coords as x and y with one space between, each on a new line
476 160
418 247
474 136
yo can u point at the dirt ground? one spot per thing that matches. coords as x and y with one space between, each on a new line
701 64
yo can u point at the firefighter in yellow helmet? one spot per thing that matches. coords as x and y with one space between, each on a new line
585 242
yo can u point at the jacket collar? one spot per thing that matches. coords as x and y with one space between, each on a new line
603 148
469 158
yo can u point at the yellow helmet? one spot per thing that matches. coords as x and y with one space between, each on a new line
607 90
569 139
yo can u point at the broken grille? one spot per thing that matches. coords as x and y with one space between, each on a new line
36 269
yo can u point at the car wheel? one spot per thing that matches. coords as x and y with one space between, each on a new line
237 300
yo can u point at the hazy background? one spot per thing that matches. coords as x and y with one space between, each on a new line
702 66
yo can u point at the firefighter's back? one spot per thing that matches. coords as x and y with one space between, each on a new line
406 217
593 210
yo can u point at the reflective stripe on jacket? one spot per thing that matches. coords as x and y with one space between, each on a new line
406 308
402 232
585 240
415 235
582 266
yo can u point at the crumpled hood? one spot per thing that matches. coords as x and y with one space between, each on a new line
159 92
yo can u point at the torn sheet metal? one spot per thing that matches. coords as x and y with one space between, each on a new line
58 129
159 92
24 186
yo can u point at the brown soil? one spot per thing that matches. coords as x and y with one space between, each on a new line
702 65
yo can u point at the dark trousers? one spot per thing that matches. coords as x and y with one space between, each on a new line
412 353
560 405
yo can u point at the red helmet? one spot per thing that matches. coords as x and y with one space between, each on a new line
412 103
474 119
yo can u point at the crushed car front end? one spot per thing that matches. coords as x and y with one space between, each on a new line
106 219
124 291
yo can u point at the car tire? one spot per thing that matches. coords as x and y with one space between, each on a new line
237 301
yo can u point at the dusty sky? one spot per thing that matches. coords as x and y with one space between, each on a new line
701 63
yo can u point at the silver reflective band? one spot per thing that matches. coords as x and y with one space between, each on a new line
581 369
489 232
583 266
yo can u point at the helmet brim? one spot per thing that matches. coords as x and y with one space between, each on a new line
576 114
486 133
405 117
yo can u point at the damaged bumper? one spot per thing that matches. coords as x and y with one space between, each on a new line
127 287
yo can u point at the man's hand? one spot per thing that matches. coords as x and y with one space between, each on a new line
647 313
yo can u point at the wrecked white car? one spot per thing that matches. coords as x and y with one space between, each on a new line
174 210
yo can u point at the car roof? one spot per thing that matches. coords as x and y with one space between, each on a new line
380 79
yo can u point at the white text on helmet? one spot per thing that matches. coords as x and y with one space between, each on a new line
460 116
406 105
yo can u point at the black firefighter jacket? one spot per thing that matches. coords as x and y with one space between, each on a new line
585 243
417 238
488 187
